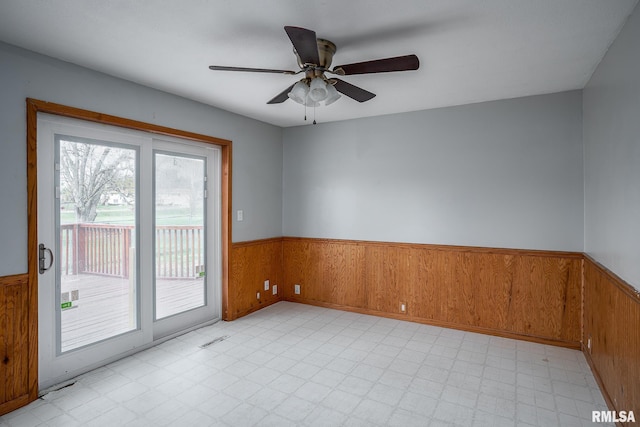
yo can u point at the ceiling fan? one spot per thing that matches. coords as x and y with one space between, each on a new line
314 57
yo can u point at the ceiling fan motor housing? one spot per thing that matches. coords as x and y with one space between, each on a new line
326 50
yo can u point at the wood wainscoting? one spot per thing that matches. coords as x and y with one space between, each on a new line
251 264
612 322
524 294
17 361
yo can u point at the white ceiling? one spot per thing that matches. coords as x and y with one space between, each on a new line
470 51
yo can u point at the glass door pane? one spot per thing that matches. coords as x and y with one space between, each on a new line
180 219
96 223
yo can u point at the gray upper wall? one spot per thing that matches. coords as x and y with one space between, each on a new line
612 156
257 146
499 174
505 173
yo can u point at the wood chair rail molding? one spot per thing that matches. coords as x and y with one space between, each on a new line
435 247
615 280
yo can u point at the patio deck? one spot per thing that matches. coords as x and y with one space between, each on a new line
105 306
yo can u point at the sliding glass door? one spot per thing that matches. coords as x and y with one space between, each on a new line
180 227
96 226
186 236
129 227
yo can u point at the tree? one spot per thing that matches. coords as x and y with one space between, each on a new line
183 176
89 171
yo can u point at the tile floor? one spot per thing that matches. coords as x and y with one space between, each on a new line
291 364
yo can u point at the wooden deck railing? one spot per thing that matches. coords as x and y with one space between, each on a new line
179 251
105 249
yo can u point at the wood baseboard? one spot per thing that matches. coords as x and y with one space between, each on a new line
14 404
525 294
596 375
475 329
254 308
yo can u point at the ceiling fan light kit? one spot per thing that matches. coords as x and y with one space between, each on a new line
314 57
317 89
299 92
312 93
332 95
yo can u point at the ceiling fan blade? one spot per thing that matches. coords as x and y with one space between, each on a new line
398 63
352 91
282 96
305 43
253 70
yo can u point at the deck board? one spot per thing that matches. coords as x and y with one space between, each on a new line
104 309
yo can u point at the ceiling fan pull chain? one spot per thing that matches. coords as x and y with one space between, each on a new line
314 115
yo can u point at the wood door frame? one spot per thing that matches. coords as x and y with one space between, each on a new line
34 107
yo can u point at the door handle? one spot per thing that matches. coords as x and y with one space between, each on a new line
41 258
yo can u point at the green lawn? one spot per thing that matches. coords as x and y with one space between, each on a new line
123 215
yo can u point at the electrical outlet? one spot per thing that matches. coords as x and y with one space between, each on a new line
274 288
403 307
240 215
296 289
266 285
257 295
